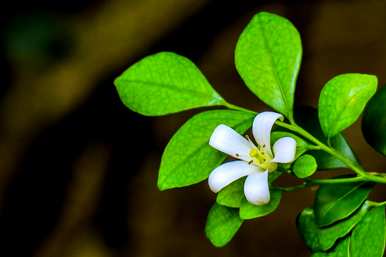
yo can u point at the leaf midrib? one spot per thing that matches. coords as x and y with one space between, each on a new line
273 64
214 95
342 197
340 113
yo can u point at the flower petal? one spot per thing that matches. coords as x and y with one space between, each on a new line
227 140
256 188
228 172
262 126
284 150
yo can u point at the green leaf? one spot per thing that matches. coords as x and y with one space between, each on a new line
368 237
341 250
307 117
222 224
343 99
374 121
301 145
327 161
323 239
165 83
334 202
268 55
232 195
251 211
188 158
305 166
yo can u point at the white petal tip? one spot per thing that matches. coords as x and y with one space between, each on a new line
215 182
284 150
258 203
218 135
256 188
227 140
228 172
262 126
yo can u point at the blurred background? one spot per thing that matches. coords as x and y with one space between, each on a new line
78 170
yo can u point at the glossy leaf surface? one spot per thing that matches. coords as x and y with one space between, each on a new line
222 224
343 99
165 83
268 55
188 158
334 202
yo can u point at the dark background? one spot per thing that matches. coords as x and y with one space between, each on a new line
78 170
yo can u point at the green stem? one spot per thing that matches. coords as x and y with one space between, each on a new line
362 175
376 204
353 166
292 188
335 180
238 108
377 174
313 182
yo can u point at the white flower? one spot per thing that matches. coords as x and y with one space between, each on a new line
256 161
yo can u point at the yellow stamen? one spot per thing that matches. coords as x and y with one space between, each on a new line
262 159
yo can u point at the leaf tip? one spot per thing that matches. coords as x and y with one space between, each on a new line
217 244
161 185
214 241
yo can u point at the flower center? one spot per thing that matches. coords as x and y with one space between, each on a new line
262 159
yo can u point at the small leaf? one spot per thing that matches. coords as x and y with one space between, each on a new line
251 211
343 99
368 237
268 55
232 195
188 158
334 202
342 249
301 145
307 117
323 239
165 83
305 166
222 224
374 121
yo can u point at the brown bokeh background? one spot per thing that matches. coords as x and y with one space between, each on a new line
78 169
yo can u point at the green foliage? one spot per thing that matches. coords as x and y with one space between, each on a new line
342 249
232 195
267 56
251 211
323 239
307 117
368 237
222 224
188 158
327 161
374 121
165 83
334 202
343 99
305 166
